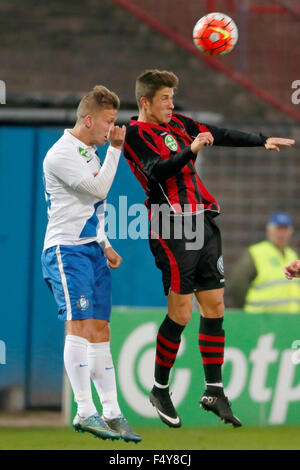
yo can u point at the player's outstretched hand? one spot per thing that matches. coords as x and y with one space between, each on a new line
113 259
202 139
292 270
116 136
273 143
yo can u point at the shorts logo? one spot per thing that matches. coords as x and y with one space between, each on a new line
220 265
171 143
82 303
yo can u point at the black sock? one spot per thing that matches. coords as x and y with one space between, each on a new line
167 345
211 345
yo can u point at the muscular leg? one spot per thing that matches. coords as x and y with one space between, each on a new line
180 307
211 303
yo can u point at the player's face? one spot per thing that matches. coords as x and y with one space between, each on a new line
101 122
159 110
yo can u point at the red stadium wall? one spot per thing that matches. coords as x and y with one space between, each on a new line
266 58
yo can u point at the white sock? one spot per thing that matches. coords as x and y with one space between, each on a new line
103 375
76 365
159 385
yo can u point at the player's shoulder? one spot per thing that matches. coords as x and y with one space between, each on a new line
60 151
62 146
132 130
182 118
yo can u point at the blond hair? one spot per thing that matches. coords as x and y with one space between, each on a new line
96 99
150 81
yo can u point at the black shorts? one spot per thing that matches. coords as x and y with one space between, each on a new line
185 271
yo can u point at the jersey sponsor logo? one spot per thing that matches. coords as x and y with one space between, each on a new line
171 143
82 303
220 265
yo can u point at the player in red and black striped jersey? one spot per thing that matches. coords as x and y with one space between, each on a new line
161 147
161 158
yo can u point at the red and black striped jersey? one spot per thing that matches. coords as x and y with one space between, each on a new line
160 157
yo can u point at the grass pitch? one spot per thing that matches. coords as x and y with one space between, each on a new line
226 438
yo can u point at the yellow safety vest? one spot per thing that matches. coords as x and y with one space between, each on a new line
270 291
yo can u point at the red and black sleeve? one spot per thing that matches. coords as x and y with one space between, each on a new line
233 138
222 136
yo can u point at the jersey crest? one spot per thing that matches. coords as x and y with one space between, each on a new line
171 143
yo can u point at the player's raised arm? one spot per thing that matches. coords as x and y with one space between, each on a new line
235 138
100 184
221 136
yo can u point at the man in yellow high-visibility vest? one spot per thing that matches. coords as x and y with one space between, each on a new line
258 283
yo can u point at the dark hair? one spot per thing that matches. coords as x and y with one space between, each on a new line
150 81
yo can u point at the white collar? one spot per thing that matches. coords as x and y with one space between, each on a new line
75 141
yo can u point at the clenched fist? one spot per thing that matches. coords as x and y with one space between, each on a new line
113 259
202 139
116 136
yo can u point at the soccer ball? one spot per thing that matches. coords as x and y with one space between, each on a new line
215 34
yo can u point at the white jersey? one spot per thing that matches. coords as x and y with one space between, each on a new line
75 214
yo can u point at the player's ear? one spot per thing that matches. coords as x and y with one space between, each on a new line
144 102
88 121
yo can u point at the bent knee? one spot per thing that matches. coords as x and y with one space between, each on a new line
100 331
95 331
182 317
213 310
180 308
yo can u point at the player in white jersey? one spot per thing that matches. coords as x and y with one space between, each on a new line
77 256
